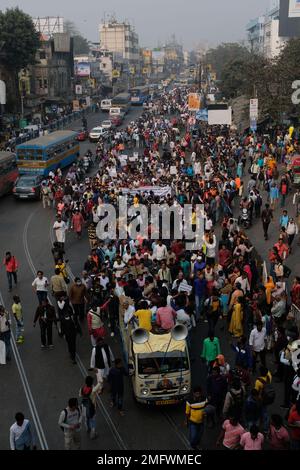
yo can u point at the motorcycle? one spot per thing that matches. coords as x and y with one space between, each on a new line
244 219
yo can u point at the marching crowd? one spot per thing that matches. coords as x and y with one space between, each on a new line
220 290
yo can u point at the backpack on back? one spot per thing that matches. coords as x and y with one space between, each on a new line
268 392
237 402
66 415
88 405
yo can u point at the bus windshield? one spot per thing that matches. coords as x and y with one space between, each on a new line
161 363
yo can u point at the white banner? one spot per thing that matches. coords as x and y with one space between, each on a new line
157 190
218 117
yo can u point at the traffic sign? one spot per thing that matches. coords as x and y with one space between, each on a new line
253 124
254 108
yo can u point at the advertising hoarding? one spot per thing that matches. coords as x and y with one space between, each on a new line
82 69
220 117
289 19
194 102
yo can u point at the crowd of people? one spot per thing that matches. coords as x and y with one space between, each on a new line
221 290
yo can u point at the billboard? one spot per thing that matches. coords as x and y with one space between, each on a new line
220 117
194 101
289 18
76 105
158 57
253 108
49 25
82 69
294 9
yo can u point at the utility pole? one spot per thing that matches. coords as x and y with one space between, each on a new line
200 77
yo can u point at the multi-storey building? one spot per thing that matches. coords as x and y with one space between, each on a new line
263 33
121 38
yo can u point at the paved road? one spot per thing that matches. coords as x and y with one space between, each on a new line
50 379
47 378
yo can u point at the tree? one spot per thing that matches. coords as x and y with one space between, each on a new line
224 54
19 37
81 44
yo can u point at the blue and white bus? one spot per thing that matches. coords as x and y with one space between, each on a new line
139 95
40 156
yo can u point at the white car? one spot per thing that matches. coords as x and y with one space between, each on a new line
105 105
96 133
107 124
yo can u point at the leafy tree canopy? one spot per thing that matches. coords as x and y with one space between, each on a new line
19 38
81 44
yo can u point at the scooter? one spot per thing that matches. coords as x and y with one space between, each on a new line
244 219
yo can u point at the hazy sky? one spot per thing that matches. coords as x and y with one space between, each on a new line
192 21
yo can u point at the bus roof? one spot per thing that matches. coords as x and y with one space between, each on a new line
140 87
121 95
159 343
47 140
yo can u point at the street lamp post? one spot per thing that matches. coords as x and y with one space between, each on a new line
22 105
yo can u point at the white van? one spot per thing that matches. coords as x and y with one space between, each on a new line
105 105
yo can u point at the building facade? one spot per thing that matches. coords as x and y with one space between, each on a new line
263 33
120 38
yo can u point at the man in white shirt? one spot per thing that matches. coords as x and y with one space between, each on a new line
180 284
128 313
60 229
160 251
244 282
118 267
257 342
104 280
22 435
40 284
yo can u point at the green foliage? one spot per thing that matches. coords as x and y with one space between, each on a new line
224 54
81 45
19 38
244 73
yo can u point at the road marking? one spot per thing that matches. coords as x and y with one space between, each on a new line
119 440
178 432
27 390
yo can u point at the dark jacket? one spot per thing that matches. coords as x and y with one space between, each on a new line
216 388
46 313
116 379
70 326
99 361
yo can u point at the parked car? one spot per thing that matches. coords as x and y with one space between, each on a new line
82 135
28 187
96 133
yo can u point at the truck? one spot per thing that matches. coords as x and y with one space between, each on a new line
158 363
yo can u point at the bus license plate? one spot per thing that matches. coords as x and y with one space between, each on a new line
166 402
